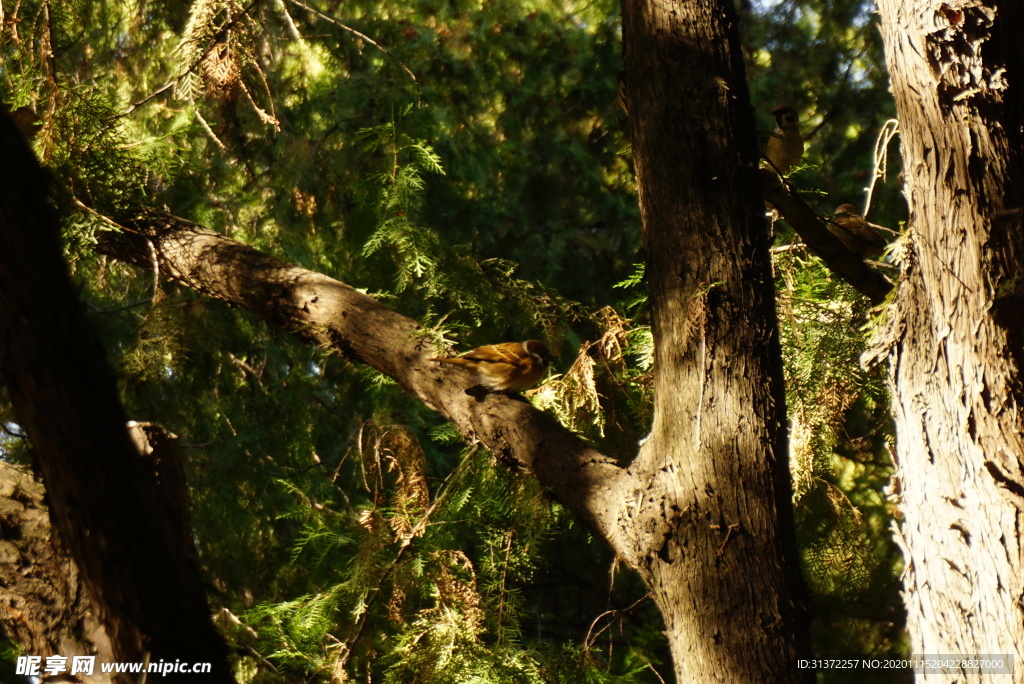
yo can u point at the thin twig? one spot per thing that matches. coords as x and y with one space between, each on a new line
617 613
162 89
102 217
362 36
268 119
154 260
881 158
289 23
503 583
248 369
209 132
796 246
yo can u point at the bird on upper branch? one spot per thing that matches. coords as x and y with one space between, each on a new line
505 367
785 147
856 234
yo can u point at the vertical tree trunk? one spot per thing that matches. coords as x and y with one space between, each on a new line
713 503
105 506
954 334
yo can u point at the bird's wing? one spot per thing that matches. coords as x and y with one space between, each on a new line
511 353
864 231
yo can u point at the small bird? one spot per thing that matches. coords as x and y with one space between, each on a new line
856 234
505 367
785 146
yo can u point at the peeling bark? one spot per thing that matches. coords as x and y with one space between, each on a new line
954 338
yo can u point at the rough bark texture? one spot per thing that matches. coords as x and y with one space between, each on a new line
954 338
102 501
713 496
43 605
333 314
815 234
45 608
618 504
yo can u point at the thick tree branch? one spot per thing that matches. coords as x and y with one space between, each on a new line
819 240
332 313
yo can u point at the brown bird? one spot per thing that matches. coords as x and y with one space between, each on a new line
785 146
505 367
856 234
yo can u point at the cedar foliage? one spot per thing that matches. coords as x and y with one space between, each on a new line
466 164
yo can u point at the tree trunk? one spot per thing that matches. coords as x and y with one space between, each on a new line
714 496
44 609
954 336
704 512
104 504
639 511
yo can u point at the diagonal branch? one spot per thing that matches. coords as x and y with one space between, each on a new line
816 236
361 36
331 313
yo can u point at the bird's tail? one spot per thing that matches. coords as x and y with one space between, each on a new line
457 360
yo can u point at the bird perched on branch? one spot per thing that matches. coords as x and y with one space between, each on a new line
856 234
505 367
785 147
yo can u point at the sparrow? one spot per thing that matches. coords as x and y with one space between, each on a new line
856 234
785 146
505 367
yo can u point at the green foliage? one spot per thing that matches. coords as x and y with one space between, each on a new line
841 462
637 297
825 59
474 292
398 597
469 168
9 653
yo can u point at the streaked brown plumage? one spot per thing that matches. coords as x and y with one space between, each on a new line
505 367
855 232
785 147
